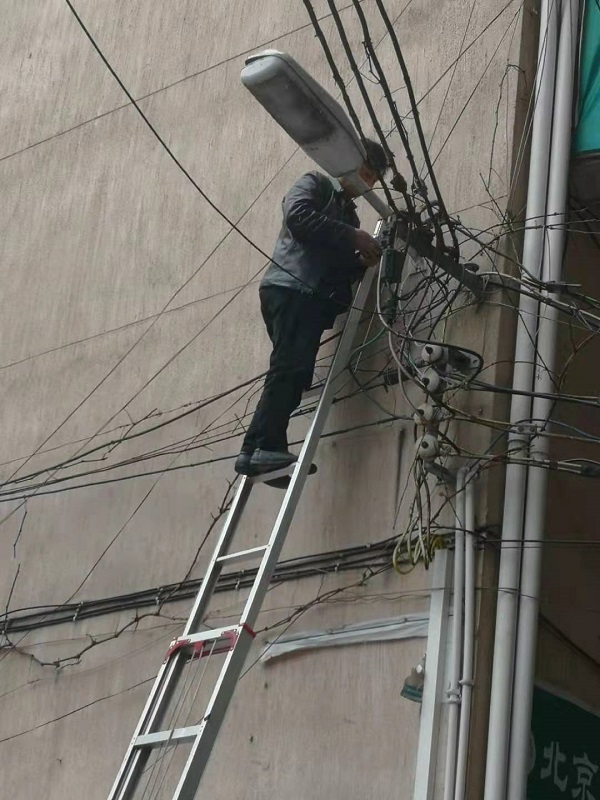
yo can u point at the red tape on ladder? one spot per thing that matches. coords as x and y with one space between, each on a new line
202 647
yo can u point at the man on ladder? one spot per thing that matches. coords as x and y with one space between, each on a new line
319 253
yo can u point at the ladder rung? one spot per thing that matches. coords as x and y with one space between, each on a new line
178 735
242 555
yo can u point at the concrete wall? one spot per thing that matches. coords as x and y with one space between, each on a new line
126 299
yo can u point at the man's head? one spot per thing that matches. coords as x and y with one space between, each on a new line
373 167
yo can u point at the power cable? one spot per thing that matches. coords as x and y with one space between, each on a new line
416 118
288 621
13 511
151 127
450 82
476 87
76 710
463 52
167 86
360 84
161 473
119 328
190 408
192 465
310 565
231 224
170 153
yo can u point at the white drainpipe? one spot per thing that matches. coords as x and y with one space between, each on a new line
455 658
542 407
469 640
435 663
516 475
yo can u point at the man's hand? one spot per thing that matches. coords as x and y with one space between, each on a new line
399 183
368 263
368 248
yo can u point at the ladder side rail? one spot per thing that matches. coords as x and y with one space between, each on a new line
223 691
166 680
214 569
211 724
134 761
294 491
126 781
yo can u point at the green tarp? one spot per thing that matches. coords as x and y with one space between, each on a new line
587 131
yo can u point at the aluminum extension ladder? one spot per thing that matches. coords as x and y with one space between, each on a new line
233 642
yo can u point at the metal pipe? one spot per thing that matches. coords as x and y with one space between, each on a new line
435 663
516 475
545 384
456 644
466 682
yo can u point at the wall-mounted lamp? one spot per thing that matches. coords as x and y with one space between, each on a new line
413 685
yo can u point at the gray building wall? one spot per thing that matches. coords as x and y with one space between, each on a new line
127 300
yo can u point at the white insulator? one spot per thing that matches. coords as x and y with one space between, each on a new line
425 414
430 380
428 447
431 353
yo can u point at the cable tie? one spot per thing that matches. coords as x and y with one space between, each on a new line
560 286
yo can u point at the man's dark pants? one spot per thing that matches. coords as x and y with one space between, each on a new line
295 322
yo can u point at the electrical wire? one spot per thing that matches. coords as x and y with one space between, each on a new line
192 465
452 76
145 119
443 213
369 574
306 566
206 437
361 85
418 548
233 227
184 79
475 88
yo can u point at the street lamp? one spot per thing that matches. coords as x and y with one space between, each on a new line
310 115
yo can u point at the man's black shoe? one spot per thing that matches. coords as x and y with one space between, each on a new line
270 460
242 464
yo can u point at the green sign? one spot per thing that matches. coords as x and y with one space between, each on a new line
565 750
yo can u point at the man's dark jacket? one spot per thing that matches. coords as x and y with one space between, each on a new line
315 252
